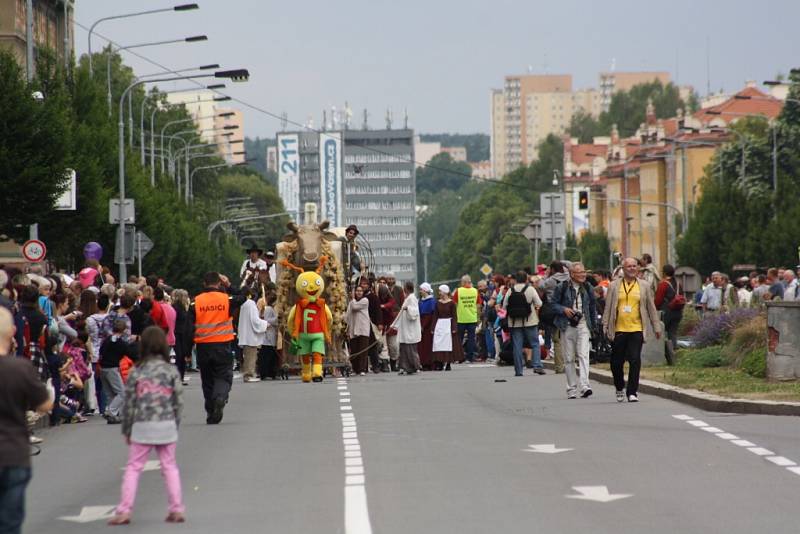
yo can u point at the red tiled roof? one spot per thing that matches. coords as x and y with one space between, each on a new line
579 154
734 108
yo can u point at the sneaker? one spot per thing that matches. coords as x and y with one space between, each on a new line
34 440
633 398
402 372
250 379
587 393
620 396
362 373
572 396
539 371
175 517
120 519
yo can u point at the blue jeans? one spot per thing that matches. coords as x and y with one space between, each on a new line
13 481
518 338
488 335
469 328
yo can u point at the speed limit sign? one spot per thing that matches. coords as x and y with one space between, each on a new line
34 250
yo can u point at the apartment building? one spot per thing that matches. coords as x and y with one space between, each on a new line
611 82
53 28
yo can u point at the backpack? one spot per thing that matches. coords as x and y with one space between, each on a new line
33 349
518 307
547 313
678 301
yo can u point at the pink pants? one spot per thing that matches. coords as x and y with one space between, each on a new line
137 456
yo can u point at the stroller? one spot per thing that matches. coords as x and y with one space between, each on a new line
600 350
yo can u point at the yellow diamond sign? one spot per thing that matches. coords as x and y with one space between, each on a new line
486 269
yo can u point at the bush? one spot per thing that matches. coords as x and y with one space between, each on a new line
755 363
745 338
705 357
689 321
715 329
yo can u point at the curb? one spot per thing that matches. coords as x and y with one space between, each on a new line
699 399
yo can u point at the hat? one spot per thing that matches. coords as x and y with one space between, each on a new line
352 227
270 254
426 287
444 288
254 248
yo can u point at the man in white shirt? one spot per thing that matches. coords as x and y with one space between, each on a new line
790 281
253 263
269 260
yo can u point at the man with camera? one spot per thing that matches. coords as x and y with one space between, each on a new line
576 314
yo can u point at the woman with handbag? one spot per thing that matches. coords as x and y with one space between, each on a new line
670 300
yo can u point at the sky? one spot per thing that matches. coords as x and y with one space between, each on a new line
439 58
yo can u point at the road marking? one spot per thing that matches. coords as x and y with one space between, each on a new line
356 512
90 513
546 448
597 494
780 461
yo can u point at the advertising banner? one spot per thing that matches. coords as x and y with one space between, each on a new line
330 177
289 172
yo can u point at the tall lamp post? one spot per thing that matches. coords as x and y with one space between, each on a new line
236 75
181 7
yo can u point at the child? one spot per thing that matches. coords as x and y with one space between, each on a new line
268 354
113 349
151 415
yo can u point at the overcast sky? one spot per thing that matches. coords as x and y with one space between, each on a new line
439 58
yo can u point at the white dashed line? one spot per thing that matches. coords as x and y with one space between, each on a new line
356 512
780 461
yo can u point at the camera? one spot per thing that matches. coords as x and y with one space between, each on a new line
575 319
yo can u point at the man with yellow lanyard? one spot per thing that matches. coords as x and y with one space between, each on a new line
467 301
630 319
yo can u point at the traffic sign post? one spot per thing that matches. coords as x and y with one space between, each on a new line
143 246
486 270
34 250
128 211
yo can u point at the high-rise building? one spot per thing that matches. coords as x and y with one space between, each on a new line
53 27
612 82
205 111
361 177
228 146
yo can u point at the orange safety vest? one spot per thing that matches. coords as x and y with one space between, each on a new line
212 323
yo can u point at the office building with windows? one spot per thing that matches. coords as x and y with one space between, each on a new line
361 177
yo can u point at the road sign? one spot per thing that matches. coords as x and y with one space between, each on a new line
552 229
551 204
34 250
486 269
142 245
533 231
129 237
128 211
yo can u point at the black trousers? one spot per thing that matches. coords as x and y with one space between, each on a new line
627 346
216 371
267 362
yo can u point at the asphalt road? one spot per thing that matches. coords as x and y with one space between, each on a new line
440 453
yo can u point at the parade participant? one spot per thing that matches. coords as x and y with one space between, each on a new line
20 390
268 354
375 319
577 314
251 333
630 319
309 320
213 333
409 332
467 300
252 264
521 304
351 255
358 331
391 348
150 419
446 349
269 260
427 305
183 331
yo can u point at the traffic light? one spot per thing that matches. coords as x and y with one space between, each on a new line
583 200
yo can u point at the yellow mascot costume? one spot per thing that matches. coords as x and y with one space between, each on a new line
309 320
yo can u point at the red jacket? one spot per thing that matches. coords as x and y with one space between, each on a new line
158 317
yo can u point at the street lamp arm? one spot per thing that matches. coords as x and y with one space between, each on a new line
215 224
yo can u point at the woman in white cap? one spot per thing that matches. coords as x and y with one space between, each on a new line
446 348
427 305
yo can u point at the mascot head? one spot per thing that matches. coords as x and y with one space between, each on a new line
309 284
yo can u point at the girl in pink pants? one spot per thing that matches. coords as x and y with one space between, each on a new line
150 417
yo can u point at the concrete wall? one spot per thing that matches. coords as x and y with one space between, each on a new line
783 341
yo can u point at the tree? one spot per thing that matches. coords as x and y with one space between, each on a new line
442 172
257 149
595 249
477 145
34 145
584 127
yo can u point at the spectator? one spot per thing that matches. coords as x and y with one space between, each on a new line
183 331
113 349
409 332
790 292
268 354
667 300
521 304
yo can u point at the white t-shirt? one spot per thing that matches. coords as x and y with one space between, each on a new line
259 265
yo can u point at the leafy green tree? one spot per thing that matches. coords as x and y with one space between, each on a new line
34 148
477 145
584 127
442 172
595 249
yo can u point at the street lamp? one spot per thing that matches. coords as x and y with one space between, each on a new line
190 119
192 39
181 7
235 75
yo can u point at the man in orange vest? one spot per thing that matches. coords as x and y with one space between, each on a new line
213 333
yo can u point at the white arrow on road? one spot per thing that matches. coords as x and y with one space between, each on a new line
546 448
597 494
90 513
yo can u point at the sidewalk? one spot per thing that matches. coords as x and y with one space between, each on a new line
700 399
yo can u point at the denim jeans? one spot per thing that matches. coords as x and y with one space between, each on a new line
488 335
469 328
13 481
518 338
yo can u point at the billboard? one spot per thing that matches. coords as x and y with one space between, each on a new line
289 172
330 177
